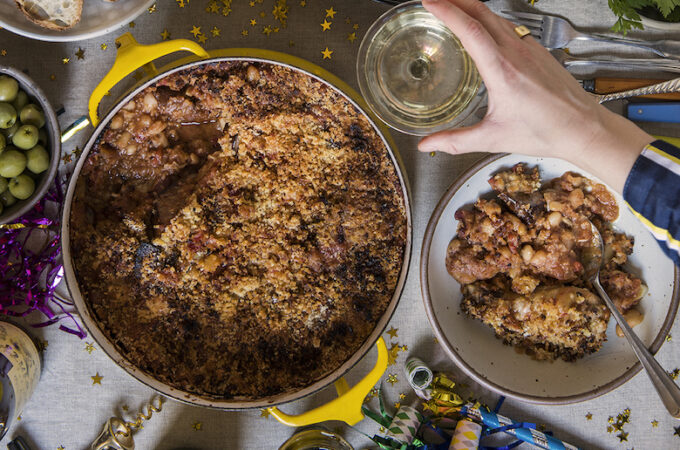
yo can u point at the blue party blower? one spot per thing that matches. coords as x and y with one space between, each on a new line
668 112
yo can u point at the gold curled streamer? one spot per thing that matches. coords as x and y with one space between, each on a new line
12 226
141 417
443 400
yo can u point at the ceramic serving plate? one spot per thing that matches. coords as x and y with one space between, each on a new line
99 17
501 368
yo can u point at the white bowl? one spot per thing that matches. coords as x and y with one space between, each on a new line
473 346
98 18
651 24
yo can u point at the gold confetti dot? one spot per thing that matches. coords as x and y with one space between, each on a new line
264 413
18 418
381 429
263 14
53 77
327 53
61 447
165 34
433 154
97 379
3 52
215 32
131 24
252 4
589 416
655 423
80 53
103 46
291 43
326 25
303 3
669 338
393 332
65 60
330 12
198 426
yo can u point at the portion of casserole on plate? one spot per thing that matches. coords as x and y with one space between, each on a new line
518 259
238 230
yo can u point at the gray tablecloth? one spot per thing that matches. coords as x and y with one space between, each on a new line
68 410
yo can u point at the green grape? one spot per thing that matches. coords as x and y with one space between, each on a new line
3 184
42 136
26 137
32 115
7 198
22 187
3 142
8 115
20 101
9 132
12 163
37 159
8 88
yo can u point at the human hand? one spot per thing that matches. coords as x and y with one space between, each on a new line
535 106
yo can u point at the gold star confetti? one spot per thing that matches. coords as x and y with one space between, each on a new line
65 60
80 53
152 9
180 3
352 36
326 25
263 14
226 11
610 420
655 423
330 12
103 46
397 405
404 348
19 418
374 392
541 426
291 43
355 26
303 3
677 431
195 31
244 33
381 429
53 77
392 354
198 426
348 20
215 32
327 53
610 429
131 24
626 412
623 436
392 378
674 374
618 426
267 30
78 150
61 447
276 29
96 379
264 413
253 22
589 416
433 154
213 7
125 408
402 396
201 38
393 332
252 4
669 338
3 52
165 34
42 345
436 341
66 158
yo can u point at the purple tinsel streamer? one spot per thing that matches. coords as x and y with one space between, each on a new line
28 278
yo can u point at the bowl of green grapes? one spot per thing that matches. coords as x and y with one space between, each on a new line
30 146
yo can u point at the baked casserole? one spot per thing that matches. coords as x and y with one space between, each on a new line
238 230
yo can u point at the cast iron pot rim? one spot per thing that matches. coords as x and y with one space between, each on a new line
184 396
478 377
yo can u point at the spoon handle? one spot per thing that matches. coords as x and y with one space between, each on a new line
664 385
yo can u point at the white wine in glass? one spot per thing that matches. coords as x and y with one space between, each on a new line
415 74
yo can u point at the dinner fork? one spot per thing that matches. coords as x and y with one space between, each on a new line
657 64
556 32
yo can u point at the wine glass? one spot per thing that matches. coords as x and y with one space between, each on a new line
415 74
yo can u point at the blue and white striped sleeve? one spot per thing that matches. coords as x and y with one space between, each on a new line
652 191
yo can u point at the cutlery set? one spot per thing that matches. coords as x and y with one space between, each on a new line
556 33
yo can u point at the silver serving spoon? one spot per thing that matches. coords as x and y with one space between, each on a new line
663 383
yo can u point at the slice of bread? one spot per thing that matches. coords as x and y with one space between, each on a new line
52 14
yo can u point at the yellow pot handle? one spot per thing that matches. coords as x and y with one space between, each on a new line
130 57
347 407
671 140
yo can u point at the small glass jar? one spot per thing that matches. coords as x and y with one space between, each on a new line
414 73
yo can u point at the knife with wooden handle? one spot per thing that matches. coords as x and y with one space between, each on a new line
606 85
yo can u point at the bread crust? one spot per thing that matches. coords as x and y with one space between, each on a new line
50 24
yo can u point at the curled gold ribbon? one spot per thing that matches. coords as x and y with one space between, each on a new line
443 401
141 417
